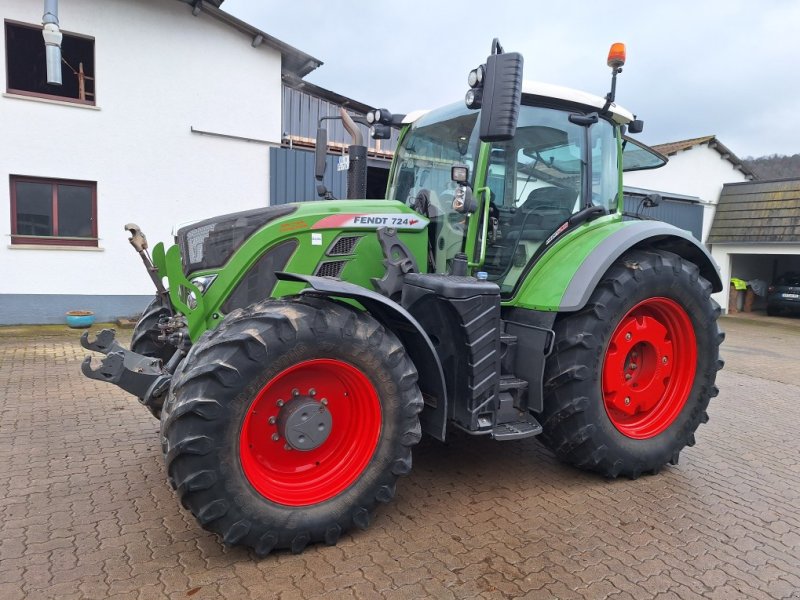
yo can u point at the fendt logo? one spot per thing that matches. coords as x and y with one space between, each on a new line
385 220
398 221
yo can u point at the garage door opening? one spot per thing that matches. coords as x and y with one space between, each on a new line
760 271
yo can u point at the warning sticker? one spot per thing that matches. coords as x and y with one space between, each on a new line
396 221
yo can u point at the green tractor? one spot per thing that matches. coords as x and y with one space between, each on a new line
296 353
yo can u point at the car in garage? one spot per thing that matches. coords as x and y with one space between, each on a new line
784 294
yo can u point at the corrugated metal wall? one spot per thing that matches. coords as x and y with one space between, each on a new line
291 176
682 214
301 113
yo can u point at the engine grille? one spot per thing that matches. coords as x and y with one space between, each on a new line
344 245
332 268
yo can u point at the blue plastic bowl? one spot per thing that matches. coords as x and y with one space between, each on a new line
80 320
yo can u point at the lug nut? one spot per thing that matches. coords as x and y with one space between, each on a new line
287 447
627 376
628 337
664 360
275 437
295 392
312 392
279 403
272 420
627 401
325 401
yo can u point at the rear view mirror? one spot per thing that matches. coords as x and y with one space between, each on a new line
636 126
502 96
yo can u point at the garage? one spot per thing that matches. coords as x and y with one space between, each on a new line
755 238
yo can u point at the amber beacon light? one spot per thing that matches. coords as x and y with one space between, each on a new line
616 55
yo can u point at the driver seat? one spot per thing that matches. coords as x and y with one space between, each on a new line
544 210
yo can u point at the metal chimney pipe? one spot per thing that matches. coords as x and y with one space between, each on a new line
357 151
52 41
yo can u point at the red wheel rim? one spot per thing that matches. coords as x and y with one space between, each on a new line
302 477
649 368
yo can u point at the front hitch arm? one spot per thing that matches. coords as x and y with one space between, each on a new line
142 376
139 241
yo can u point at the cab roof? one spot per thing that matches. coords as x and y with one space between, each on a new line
558 92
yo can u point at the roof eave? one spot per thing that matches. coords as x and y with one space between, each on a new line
725 153
293 61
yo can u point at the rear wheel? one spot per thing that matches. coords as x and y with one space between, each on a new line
632 374
290 422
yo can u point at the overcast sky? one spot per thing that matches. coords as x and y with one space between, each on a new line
701 67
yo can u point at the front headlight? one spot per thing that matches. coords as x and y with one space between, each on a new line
202 283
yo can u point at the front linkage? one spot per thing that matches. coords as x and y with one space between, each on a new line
144 377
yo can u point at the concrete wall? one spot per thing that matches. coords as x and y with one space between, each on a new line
159 72
752 261
699 171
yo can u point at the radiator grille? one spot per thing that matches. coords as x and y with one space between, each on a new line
332 268
344 245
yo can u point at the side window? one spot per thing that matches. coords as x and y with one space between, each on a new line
53 211
605 169
26 73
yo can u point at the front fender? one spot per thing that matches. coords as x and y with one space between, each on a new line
413 337
636 234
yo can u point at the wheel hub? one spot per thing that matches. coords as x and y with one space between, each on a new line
649 367
304 423
290 452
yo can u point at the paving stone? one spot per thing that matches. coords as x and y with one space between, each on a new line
85 510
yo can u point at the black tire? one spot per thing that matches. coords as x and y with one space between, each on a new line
577 425
218 385
145 339
772 311
145 335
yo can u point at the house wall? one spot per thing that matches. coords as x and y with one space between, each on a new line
159 72
700 171
752 261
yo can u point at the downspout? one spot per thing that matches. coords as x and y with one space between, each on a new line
52 41
357 151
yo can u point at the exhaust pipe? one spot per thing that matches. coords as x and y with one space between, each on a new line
357 151
52 41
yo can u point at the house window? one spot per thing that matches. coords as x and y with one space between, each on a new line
53 211
26 71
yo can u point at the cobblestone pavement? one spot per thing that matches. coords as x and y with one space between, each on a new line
85 510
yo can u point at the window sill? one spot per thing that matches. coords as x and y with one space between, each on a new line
50 101
54 247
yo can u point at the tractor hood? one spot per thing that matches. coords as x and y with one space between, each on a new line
210 243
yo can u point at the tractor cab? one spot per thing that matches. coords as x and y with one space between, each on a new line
525 189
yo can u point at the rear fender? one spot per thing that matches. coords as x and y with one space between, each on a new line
413 337
641 234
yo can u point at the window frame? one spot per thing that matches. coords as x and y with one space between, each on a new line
19 92
52 240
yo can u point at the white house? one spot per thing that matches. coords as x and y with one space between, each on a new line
166 114
697 167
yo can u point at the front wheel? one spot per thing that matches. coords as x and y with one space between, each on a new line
290 422
631 375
